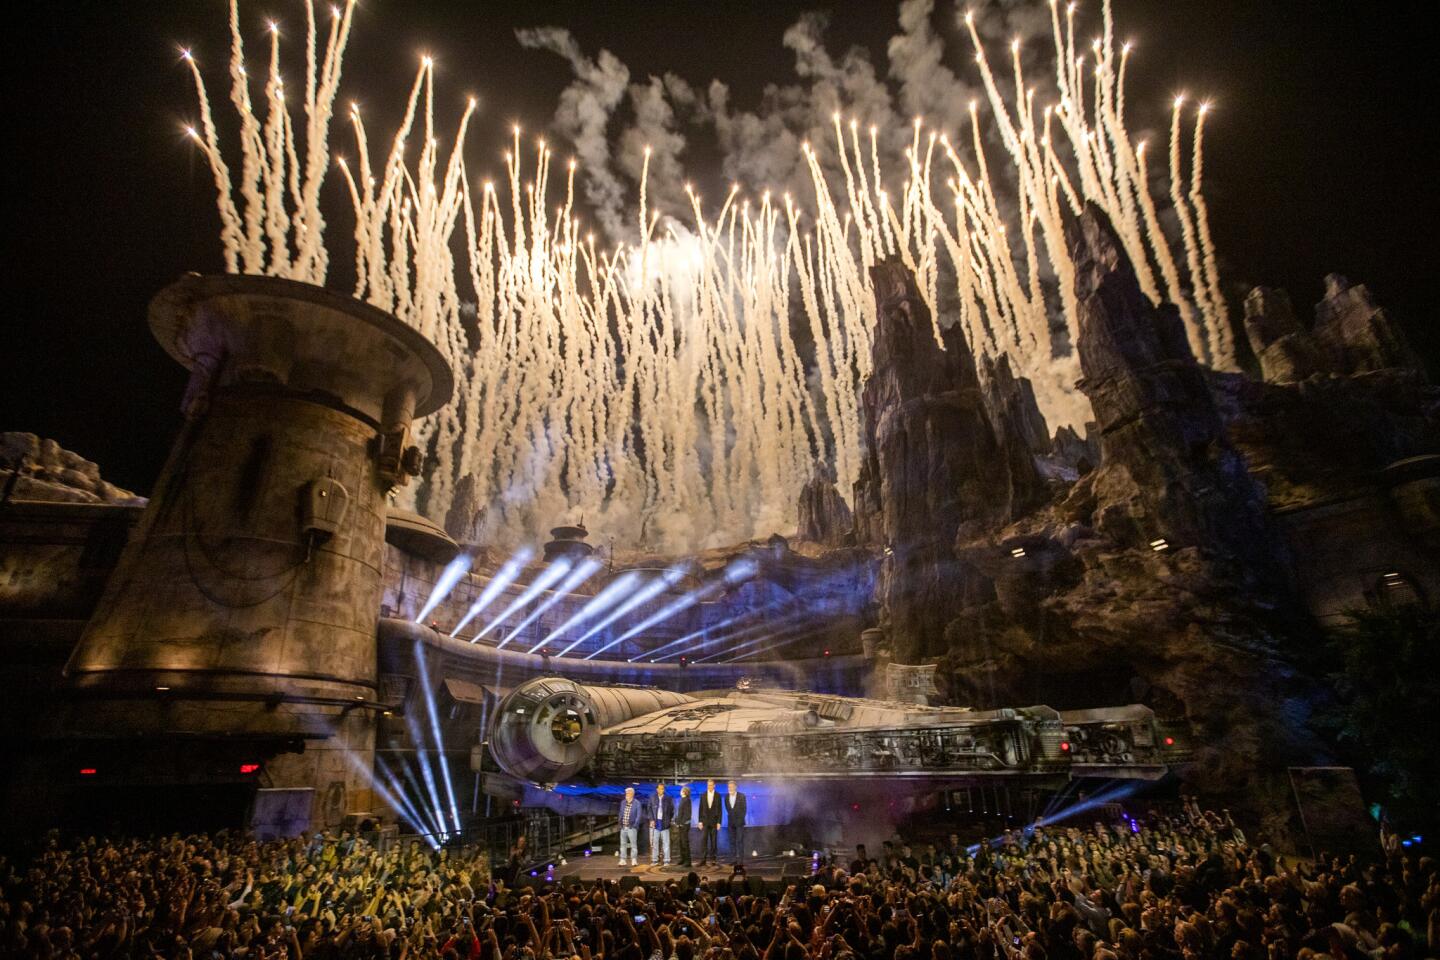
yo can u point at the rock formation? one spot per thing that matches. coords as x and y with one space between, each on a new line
36 469
1357 335
1073 453
1156 577
466 514
825 518
1351 335
933 468
1285 350
1170 475
1019 429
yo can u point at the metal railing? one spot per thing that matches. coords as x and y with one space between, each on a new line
547 835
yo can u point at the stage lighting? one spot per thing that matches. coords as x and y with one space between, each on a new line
646 593
451 575
539 585
598 604
582 572
502 579
434 714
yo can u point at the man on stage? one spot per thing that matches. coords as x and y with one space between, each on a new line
662 815
735 821
681 828
712 809
630 817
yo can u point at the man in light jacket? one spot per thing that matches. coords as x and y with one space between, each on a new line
630 817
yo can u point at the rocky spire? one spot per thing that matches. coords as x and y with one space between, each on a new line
933 467
1170 468
1357 334
1019 429
824 516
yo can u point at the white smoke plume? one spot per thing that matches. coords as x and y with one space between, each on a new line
583 117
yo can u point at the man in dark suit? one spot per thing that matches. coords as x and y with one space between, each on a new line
735 821
712 809
681 826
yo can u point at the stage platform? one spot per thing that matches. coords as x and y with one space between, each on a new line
606 866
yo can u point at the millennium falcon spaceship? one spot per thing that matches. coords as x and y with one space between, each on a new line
550 730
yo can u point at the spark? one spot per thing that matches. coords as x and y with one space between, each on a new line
697 330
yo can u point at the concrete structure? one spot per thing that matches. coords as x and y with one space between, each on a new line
243 609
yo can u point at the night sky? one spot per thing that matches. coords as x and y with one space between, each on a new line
1321 156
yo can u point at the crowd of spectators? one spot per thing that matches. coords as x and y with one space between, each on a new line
1184 887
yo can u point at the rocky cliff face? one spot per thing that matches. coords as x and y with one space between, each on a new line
1328 436
1141 562
1350 335
1156 577
1019 430
32 468
933 470
1170 475
825 518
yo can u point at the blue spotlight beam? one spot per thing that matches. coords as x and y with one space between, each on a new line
791 627
1107 794
583 571
799 632
711 640
672 609
707 635
435 731
384 794
548 577
740 570
598 604
426 772
645 594
502 579
1103 796
420 824
766 631
451 575
419 794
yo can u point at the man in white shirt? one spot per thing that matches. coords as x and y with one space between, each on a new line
662 814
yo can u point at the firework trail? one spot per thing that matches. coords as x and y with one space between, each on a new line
658 385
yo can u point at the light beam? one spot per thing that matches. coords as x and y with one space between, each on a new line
503 578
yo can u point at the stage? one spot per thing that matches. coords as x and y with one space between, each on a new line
606 866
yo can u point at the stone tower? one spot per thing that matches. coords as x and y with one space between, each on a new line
240 621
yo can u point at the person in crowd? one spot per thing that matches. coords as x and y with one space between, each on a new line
684 814
712 812
735 821
630 816
662 817
1175 888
